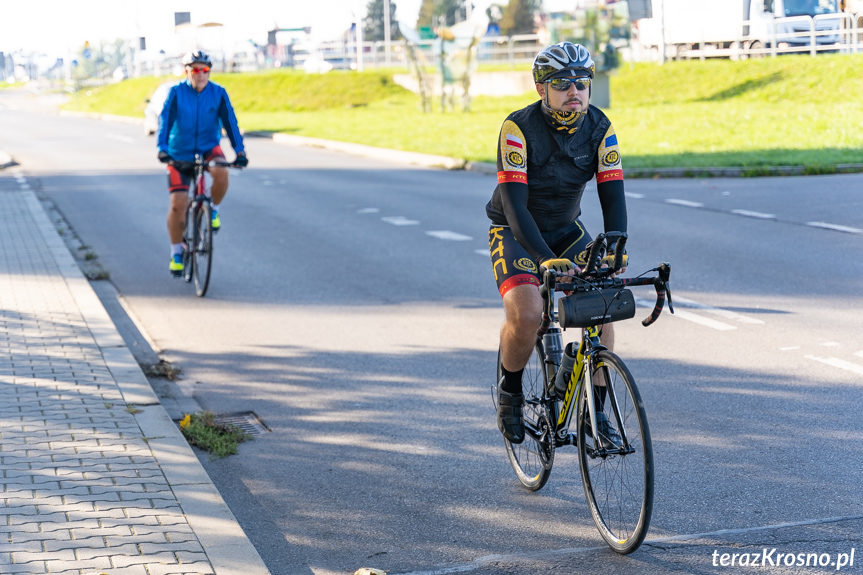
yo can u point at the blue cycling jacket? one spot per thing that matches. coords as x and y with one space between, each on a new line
191 122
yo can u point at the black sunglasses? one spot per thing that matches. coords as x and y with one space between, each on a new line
563 84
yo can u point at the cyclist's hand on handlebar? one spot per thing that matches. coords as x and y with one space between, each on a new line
560 265
608 261
164 157
242 161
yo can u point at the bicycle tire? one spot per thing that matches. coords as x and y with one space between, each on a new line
618 487
532 459
202 253
188 234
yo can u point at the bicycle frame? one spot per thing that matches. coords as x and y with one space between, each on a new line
584 368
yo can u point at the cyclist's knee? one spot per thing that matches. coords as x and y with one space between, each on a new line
523 307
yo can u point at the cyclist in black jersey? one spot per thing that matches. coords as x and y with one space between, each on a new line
547 152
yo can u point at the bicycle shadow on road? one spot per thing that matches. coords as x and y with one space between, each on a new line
395 456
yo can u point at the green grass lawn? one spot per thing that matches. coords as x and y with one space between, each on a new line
791 110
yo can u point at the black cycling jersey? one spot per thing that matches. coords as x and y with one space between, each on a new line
542 173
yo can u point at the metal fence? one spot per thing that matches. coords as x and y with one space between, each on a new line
809 38
507 50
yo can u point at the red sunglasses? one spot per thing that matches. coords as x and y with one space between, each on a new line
200 70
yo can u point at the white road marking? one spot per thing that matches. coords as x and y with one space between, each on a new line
685 203
688 316
858 353
835 227
831 344
633 195
546 553
789 348
449 236
840 363
758 215
723 313
124 139
487 254
400 221
368 211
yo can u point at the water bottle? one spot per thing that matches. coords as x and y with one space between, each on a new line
567 364
553 345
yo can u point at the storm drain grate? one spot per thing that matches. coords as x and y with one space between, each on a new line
247 421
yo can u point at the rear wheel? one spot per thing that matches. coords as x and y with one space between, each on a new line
618 483
532 459
202 250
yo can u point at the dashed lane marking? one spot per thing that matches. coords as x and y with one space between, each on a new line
633 195
689 316
685 203
449 236
487 254
723 313
368 211
840 363
757 215
835 227
400 221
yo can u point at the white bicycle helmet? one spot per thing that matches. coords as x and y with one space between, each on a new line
562 59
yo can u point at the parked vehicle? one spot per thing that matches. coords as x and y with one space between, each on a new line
750 25
154 108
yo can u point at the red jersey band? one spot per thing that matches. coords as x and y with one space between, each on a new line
506 177
608 176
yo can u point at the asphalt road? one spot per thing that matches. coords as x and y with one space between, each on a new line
352 308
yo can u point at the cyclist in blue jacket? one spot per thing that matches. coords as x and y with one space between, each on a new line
191 123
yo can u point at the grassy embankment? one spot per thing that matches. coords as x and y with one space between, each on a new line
793 110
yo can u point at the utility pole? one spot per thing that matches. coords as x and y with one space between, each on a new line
387 32
359 39
662 35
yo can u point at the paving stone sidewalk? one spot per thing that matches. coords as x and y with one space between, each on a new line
94 476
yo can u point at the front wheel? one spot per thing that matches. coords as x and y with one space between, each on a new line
202 249
532 459
618 481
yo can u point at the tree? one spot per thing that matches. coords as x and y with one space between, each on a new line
373 25
518 17
434 13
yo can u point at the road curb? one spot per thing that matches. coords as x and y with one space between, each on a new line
226 545
399 156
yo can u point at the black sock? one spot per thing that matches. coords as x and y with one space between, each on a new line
599 393
511 380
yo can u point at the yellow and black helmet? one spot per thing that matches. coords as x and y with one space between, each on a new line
562 60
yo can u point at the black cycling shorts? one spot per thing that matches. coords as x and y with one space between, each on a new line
179 181
513 266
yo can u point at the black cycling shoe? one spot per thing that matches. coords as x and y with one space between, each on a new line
510 416
609 438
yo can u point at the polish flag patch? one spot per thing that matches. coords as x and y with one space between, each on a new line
514 141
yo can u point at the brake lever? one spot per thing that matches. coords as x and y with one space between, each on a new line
668 295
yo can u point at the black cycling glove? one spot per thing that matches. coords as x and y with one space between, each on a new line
164 157
242 161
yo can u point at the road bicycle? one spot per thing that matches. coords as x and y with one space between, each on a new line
589 381
198 233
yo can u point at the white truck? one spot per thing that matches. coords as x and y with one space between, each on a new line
748 25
